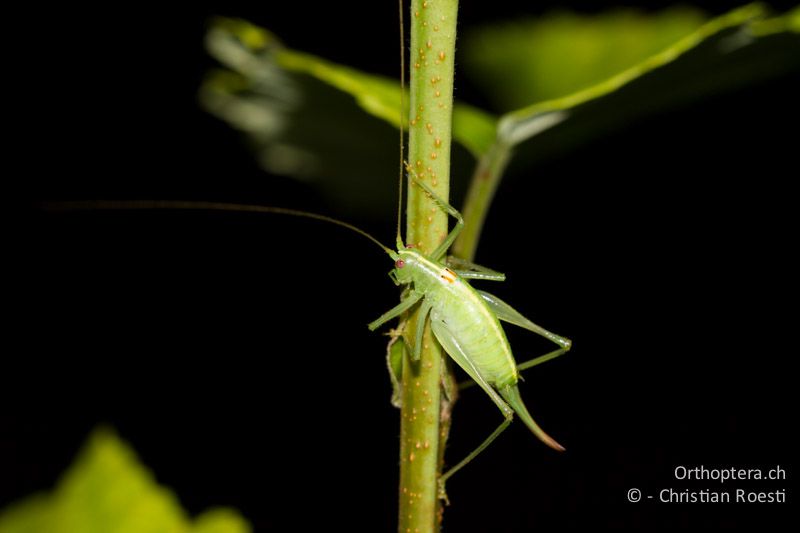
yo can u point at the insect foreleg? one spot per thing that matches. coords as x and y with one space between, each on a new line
451 346
395 311
505 312
469 270
422 317
439 252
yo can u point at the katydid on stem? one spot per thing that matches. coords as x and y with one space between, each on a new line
465 321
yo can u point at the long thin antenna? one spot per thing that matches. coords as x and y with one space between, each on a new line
202 206
399 238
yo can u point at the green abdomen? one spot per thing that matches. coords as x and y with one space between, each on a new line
478 332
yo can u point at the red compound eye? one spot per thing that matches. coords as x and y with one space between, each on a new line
399 263
410 246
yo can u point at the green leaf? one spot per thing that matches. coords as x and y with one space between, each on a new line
563 62
734 49
556 55
271 82
380 97
107 490
574 76
220 520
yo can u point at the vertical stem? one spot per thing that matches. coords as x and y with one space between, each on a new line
433 32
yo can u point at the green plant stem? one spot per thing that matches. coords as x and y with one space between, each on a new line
433 32
481 191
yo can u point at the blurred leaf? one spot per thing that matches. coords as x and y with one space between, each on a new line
790 22
302 116
107 490
739 48
575 76
564 61
526 61
220 521
381 97
255 53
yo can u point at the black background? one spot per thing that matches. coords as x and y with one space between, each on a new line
231 351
